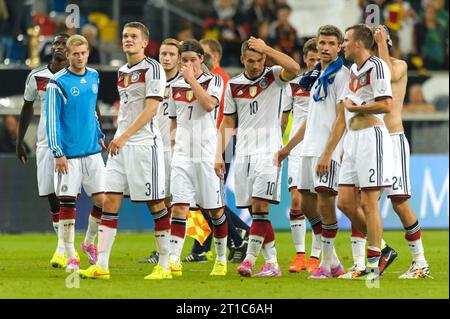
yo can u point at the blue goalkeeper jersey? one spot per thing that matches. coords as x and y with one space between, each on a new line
73 129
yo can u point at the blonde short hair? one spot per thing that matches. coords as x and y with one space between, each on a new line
171 41
75 41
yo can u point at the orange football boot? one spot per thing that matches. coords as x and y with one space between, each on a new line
298 264
313 264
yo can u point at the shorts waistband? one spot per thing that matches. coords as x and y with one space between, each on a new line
367 129
397 133
262 154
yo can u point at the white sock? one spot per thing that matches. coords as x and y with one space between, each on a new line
270 254
176 246
106 237
66 233
92 230
220 244
359 251
335 259
60 247
298 232
163 246
220 228
56 227
254 247
316 245
327 253
383 243
417 252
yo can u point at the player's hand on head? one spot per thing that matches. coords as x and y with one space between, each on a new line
62 165
257 44
21 153
380 35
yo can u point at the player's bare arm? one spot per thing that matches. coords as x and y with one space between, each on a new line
293 142
26 115
399 79
225 133
381 105
207 101
284 121
290 67
151 107
323 165
398 68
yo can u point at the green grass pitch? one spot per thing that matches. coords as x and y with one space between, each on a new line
25 272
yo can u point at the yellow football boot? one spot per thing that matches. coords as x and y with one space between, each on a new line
58 260
219 269
94 272
176 270
159 273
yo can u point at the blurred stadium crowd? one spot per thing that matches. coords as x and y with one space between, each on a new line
419 29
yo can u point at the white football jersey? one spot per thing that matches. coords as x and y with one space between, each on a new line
258 104
135 84
322 115
162 116
35 87
297 101
196 134
371 81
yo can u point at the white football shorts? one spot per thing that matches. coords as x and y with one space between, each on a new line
401 183
367 161
45 163
256 177
308 180
137 171
87 172
195 182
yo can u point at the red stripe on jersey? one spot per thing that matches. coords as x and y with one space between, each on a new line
127 79
182 94
357 82
41 83
298 91
251 91
185 94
